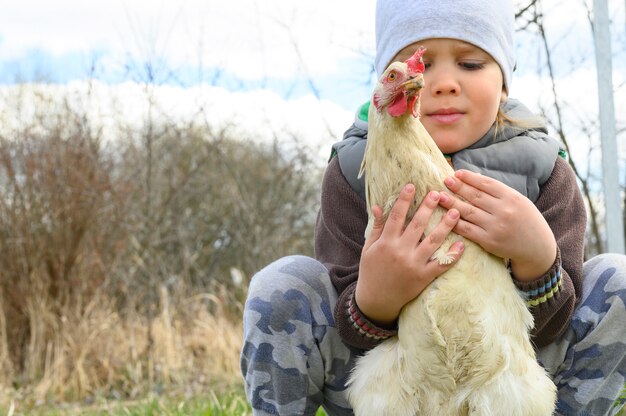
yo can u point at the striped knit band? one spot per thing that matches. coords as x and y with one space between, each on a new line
542 290
545 292
363 325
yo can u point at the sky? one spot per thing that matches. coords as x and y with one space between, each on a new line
241 43
268 65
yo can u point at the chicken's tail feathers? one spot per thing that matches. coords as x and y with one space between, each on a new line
505 388
532 394
379 382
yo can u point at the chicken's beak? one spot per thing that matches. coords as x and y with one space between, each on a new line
414 84
412 89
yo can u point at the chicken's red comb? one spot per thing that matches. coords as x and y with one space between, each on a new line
415 63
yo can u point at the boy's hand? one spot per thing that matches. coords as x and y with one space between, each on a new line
503 221
395 262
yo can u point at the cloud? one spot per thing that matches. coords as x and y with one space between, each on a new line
251 39
59 27
291 37
261 115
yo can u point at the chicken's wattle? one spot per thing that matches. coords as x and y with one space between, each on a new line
399 106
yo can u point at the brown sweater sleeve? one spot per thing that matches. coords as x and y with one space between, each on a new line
339 239
561 204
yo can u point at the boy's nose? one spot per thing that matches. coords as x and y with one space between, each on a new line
446 90
443 83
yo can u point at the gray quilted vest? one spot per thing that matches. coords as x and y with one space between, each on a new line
522 158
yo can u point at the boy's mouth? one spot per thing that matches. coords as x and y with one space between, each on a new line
446 115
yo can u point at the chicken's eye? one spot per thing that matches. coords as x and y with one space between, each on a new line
391 77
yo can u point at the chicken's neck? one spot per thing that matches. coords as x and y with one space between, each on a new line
409 150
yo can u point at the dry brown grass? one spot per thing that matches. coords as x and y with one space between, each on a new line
102 352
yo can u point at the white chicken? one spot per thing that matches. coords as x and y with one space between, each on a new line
463 345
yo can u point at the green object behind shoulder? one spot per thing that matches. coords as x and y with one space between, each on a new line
364 112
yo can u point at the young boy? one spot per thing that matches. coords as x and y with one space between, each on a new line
306 320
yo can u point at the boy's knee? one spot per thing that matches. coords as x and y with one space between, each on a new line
300 273
289 293
604 295
605 273
606 261
605 268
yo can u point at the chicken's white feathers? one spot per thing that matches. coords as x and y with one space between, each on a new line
463 345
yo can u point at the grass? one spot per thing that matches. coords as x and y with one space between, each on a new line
230 403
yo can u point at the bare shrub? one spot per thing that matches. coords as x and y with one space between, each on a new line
217 204
123 268
58 234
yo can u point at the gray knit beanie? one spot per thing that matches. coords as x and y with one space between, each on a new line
487 24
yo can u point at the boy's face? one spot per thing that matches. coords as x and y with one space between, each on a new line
462 93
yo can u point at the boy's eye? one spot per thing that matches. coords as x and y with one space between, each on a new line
471 66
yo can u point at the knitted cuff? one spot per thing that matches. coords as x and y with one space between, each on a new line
540 291
363 325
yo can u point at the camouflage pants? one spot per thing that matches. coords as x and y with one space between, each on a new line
293 360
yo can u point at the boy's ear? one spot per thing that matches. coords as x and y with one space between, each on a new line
503 96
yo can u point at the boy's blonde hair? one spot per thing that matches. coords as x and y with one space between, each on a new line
503 119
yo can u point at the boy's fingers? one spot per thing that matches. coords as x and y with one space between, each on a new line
436 237
450 259
478 181
476 189
469 212
415 229
397 216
